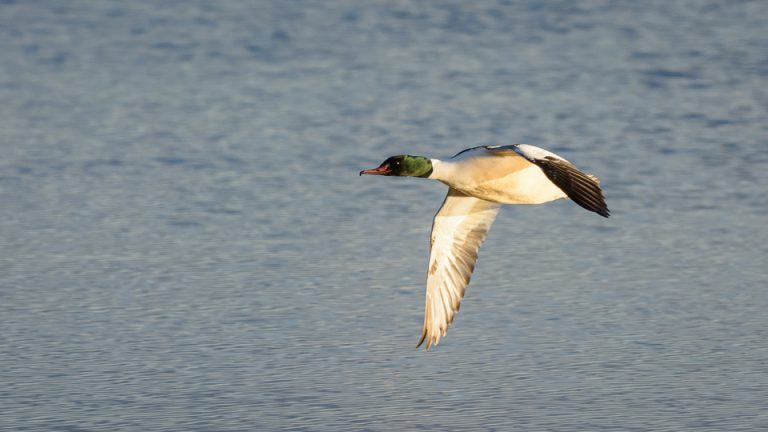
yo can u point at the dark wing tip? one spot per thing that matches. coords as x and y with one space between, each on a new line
423 338
421 341
581 188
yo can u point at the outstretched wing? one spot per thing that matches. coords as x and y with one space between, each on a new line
583 189
458 230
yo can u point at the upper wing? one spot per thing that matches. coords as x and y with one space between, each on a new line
583 189
458 230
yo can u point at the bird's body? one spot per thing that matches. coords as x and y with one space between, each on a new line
480 179
500 176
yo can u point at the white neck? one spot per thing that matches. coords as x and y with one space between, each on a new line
442 170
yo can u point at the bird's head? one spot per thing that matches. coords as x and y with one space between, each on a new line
403 166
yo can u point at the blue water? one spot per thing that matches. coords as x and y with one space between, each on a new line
186 245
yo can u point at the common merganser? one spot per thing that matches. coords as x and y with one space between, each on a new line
479 180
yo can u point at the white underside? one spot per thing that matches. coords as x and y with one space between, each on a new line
505 179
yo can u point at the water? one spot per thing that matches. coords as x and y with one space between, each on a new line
186 244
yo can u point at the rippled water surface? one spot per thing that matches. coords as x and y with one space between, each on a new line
186 245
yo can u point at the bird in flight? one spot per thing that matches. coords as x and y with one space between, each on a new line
481 179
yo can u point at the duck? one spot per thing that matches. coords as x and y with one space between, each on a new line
481 179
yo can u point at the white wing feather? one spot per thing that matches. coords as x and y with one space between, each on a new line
458 230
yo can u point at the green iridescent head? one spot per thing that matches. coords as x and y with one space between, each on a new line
403 166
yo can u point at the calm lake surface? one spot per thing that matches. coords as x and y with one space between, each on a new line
186 244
